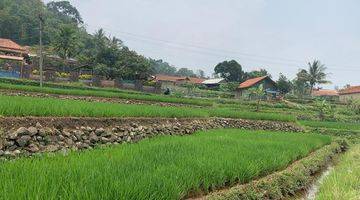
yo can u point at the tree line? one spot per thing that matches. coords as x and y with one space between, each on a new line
65 36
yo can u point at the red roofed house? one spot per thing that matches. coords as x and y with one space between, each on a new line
326 94
268 84
9 50
352 92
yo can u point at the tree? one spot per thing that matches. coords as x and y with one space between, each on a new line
257 73
283 84
132 66
300 83
316 74
161 67
258 92
200 73
231 71
65 10
66 42
185 72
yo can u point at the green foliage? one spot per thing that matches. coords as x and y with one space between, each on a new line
324 109
161 67
19 20
316 74
229 87
185 72
231 71
283 84
257 73
167 167
258 93
66 42
64 10
301 86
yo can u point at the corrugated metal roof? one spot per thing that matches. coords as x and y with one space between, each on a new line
213 81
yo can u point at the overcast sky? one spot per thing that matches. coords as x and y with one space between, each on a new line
278 35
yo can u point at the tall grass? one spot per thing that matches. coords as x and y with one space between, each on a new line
167 167
332 125
32 106
106 93
343 183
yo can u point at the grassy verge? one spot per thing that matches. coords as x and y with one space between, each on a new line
105 93
332 125
344 181
160 168
31 106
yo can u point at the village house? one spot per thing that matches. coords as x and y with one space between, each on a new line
11 51
326 94
349 93
268 84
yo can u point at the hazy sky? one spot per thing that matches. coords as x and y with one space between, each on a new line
278 35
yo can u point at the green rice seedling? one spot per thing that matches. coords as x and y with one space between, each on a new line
332 125
231 113
165 167
33 106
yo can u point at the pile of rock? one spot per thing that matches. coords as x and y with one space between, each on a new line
37 139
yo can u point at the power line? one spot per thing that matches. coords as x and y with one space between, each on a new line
260 58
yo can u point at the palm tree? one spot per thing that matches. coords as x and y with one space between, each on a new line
316 74
66 41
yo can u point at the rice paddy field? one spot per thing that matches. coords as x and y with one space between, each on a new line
105 93
32 106
166 167
332 125
343 183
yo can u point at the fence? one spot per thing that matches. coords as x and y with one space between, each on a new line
9 74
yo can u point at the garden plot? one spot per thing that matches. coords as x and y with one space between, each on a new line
160 168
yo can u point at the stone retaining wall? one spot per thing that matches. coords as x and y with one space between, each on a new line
35 135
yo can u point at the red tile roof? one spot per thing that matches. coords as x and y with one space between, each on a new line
350 90
10 45
251 82
319 93
161 77
196 80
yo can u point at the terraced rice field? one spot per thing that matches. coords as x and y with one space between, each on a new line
168 167
106 93
332 125
31 106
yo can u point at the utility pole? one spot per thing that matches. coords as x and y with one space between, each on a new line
41 49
